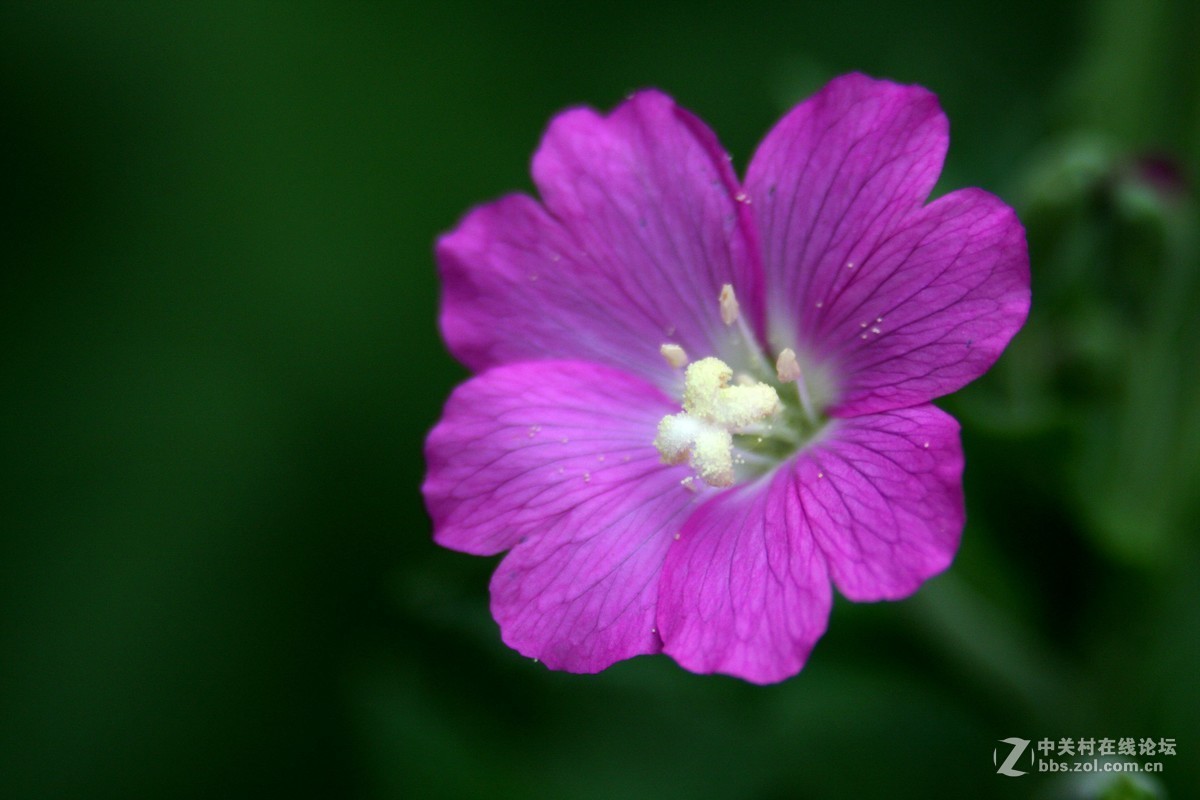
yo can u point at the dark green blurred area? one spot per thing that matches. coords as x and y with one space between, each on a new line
216 575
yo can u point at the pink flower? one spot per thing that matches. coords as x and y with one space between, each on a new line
705 510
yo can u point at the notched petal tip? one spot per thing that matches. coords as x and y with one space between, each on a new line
831 182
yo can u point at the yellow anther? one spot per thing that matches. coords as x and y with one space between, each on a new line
675 355
729 305
786 366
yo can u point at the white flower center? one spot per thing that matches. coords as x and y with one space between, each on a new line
712 412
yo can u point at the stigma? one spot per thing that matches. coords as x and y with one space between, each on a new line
713 410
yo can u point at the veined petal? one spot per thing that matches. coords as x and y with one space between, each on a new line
555 460
522 444
882 495
640 230
745 590
931 307
836 175
582 595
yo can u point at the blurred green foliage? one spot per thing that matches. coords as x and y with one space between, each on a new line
221 359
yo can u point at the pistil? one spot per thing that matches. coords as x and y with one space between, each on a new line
713 411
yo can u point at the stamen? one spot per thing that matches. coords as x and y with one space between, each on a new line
712 412
675 355
729 305
787 368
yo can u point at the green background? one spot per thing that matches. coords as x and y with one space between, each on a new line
220 360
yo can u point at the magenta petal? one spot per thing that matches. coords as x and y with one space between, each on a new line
882 494
901 302
835 176
640 229
582 594
554 459
930 308
745 590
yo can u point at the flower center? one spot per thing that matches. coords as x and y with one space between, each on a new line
730 429
712 412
